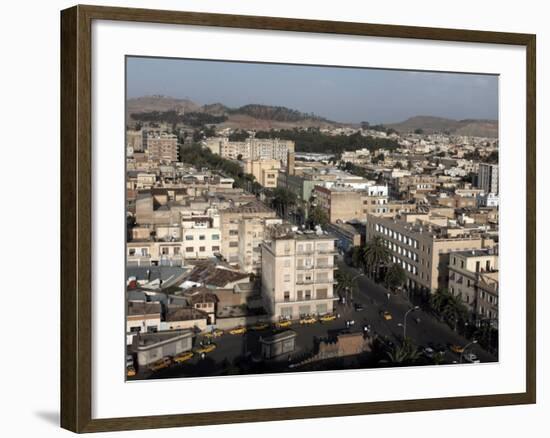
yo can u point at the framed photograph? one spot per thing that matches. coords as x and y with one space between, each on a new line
270 218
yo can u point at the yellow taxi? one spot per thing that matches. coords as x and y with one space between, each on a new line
283 323
208 348
213 334
259 326
457 349
387 315
306 320
130 371
160 364
180 358
327 318
238 331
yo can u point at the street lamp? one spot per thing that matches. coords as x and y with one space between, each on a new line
464 349
405 320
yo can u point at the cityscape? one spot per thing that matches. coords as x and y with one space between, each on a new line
285 218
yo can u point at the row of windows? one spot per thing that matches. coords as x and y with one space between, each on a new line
401 250
396 235
406 266
202 237
190 249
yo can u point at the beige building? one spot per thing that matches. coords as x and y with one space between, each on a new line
141 317
252 233
230 220
473 276
345 204
162 147
251 148
298 274
265 171
421 244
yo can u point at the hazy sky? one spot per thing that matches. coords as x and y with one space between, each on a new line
337 93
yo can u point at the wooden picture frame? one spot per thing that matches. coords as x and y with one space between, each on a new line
76 218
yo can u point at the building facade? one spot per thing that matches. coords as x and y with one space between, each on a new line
298 275
488 178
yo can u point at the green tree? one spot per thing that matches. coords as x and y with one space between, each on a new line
282 200
449 307
318 216
406 353
395 276
376 255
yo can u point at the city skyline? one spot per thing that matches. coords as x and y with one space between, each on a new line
341 94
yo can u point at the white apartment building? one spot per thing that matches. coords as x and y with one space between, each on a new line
298 275
201 236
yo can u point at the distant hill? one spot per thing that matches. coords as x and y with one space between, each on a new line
430 124
252 116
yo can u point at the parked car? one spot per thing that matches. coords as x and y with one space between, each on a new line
327 318
387 315
238 331
208 348
456 349
183 357
471 358
214 334
283 323
130 371
160 364
260 325
429 352
306 320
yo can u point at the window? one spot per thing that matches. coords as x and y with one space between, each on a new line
135 329
189 249
165 251
215 248
322 293
144 252
202 237
233 232
287 296
176 250
308 295
215 237
233 244
132 251
202 248
300 295
188 237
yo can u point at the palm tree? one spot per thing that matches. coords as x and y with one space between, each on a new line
376 255
405 353
449 307
282 200
345 282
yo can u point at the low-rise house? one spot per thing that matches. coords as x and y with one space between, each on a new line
142 317
150 347
183 317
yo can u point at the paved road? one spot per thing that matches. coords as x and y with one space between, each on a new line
231 349
428 331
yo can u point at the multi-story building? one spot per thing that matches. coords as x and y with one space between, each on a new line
230 224
161 146
252 148
487 178
252 233
473 276
298 274
421 244
201 236
345 203
265 171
